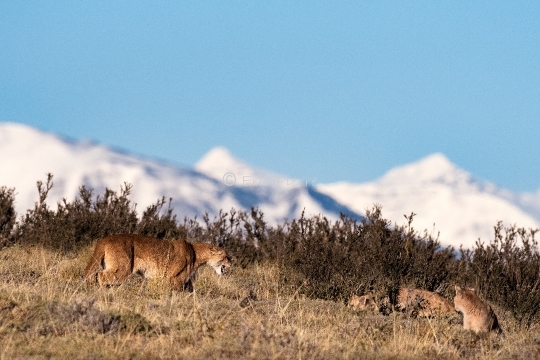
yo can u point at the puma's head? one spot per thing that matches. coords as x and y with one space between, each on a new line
218 259
212 255
465 298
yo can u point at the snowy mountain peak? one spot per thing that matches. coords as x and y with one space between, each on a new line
28 154
218 157
444 198
435 189
219 161
21 139
436 160
18 132
6 127
433 168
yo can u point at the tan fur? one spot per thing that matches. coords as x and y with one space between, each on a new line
118 256
427 303
477 315
364 302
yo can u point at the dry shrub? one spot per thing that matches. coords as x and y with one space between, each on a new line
88 218
158 224
77 223
506 271
359 257
315 257
242 233
134 323
82 313
7 214
43 318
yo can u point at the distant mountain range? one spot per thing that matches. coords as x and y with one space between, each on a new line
444 197
27 155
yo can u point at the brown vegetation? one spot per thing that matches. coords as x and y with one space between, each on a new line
284 298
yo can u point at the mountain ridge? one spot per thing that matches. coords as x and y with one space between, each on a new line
30 154
445 197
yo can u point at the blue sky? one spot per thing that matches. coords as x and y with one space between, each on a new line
332 90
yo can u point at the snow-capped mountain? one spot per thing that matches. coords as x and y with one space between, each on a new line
444 198
220 164
27 155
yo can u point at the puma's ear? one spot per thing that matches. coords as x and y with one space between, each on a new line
472 289
458 289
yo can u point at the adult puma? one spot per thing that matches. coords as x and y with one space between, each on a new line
477 315
118 256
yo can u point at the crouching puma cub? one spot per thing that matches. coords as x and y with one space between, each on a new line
118 256
427 303
364 302
477 315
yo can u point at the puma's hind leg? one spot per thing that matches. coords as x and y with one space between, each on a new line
117 269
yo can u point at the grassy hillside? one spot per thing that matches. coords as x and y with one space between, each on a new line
47 311
284 297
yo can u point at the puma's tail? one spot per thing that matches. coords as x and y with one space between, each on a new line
94 264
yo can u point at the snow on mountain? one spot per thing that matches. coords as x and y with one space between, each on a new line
528 201
275 189
27 155
445 198
220 164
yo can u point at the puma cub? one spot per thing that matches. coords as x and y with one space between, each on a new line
477 315
364 302
427 303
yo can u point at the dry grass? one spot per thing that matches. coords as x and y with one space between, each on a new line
47 311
